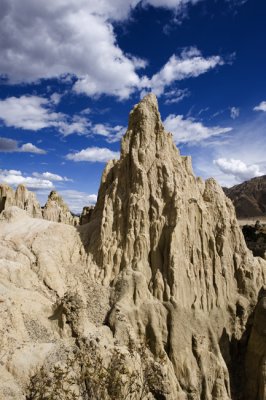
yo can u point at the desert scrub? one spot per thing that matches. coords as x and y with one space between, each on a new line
91 373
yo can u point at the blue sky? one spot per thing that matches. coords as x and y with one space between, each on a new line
72 70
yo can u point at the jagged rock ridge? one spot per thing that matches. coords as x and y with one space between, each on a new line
249 197
21 198
54 210
171 245
164 256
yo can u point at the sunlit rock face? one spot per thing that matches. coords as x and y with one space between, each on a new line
160 262
21 198
170 245
56 210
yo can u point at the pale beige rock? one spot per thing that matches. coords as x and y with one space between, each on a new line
162 261
172 246
7 196
56 210
27 201
21 198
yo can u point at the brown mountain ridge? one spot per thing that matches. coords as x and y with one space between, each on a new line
249 197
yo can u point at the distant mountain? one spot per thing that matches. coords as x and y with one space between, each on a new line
249 197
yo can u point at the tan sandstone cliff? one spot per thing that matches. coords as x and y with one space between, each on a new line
162 264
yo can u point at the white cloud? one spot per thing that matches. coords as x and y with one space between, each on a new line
176 95
78 125
31 148
28 112
189 64
50 176
234 112
94 154
12 146
111 134
76 200
35 113
190 131
260 107
56 98
170 3
48 39
14 178
240 170
76 40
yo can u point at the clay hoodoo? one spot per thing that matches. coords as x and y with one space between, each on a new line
21 198
56 210
27 201
170 245
7 195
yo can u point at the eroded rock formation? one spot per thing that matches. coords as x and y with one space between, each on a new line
56 210
162 263
171 246
21 198
86 214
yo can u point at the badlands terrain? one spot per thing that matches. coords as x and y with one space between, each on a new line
249 198
156 296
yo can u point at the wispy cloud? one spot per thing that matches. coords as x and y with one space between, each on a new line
94 154
190 131
176 95
234 112
246 146
50 176
190 64
112 134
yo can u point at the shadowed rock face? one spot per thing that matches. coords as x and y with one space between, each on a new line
86 214
249 197
166 258
256 355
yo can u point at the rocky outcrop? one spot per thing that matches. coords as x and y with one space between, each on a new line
255 237
170 245
159 279
249 197
86 214
21 198
7 196
56 210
